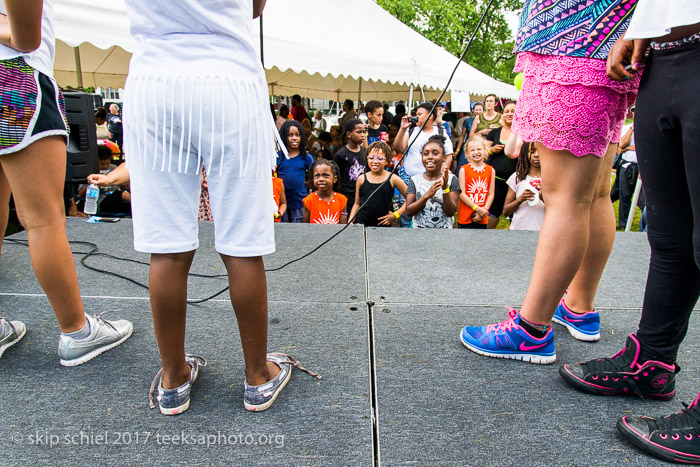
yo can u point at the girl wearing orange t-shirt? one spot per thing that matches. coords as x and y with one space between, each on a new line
325 206
279 197
477 182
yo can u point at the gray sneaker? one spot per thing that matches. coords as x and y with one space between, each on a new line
104 335
12 332
259 398
177 400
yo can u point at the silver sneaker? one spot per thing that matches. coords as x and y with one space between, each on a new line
104 335
12 332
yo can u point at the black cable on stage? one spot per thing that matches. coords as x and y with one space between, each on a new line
94 252
94 248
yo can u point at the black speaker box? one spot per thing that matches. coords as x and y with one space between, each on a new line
82 141
98 100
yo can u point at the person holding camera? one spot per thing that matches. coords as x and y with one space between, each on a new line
410 132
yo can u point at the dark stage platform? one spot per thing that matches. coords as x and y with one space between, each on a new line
377 312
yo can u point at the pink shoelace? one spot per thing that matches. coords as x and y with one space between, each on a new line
506 325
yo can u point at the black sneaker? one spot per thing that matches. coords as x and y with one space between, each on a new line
623 375
674 438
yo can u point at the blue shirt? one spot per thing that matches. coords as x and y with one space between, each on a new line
293 172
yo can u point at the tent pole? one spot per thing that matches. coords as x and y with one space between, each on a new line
359 95
410 99
422 94
78 68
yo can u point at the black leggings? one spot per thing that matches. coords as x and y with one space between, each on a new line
667 135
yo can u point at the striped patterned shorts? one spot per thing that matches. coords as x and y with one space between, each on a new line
31 106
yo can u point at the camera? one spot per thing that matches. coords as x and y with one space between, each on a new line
412 119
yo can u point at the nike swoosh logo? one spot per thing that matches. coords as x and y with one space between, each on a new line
524 347
566 318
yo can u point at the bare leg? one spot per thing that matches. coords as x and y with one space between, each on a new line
5 193
248 290
37 175
568 184
583 288
168 289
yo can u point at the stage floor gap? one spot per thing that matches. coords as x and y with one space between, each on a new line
376 461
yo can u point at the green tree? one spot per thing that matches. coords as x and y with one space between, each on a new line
450 24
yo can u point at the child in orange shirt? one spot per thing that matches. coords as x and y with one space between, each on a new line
325 206
477 181
279 197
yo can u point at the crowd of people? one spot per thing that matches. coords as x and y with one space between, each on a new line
515 200
554 147
483 176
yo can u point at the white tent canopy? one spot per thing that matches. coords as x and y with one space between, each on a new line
335 61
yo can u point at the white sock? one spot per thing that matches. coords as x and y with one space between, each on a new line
80 333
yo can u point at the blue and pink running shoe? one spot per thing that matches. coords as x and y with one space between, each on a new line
584 327
509 340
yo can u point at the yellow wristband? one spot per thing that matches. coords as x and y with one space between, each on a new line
396 213
475 207
446 190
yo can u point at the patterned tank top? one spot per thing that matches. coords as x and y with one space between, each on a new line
574 28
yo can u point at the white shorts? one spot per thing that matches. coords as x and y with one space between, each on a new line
173 126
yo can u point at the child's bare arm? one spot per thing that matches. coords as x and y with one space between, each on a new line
399 184
492 191
511 204
307 215
449 203
391 216
354 211
413 208
283 202
356 207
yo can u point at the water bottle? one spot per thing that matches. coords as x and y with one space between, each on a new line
91 195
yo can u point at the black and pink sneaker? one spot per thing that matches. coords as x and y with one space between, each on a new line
674 438
623 375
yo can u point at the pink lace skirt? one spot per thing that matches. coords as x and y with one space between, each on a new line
569 103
